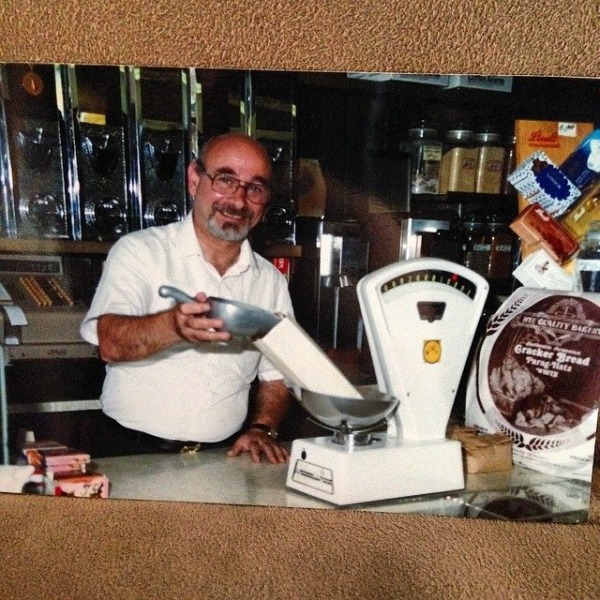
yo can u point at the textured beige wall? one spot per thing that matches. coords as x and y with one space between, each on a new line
523 37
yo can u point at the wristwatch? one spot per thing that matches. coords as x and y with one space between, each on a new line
265 429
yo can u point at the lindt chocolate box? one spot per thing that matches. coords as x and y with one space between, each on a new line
557 139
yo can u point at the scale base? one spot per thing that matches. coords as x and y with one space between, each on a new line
386 468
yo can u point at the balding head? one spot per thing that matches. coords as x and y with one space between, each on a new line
234 140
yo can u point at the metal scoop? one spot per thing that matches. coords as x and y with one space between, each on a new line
240 319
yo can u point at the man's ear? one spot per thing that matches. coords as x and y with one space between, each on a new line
193 177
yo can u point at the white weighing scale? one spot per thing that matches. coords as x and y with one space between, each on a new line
420 317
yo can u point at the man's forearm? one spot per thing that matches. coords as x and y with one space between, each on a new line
272 402
126 338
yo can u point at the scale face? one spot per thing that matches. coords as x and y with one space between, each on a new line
420 317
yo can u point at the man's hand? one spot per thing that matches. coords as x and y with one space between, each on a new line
257 443
192 324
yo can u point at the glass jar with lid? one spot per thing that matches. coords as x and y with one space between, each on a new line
425 149
588 259
502 253
459 162
476 246
490 162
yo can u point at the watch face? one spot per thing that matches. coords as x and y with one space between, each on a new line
432 351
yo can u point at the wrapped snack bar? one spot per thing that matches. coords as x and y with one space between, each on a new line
540 181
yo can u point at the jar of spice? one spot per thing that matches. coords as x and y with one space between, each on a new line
490 163
426 154
459 162
501 252
477 247
588 260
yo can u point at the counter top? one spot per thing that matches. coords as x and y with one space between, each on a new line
212 477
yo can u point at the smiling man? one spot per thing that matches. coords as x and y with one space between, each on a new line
174 380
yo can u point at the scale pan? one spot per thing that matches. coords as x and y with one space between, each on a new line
339 413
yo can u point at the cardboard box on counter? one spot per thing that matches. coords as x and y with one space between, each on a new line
484 453
87 485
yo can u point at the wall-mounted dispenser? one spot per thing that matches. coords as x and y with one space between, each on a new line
162 100
99 124
33 179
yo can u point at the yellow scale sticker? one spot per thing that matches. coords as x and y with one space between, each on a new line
432 351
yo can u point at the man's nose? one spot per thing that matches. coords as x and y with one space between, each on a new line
241 192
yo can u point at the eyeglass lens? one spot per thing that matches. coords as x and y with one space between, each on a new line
228 184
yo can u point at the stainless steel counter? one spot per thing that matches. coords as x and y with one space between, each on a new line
212 477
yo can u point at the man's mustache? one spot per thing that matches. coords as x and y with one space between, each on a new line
224 207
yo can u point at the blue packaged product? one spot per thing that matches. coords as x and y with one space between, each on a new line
540 181
582 166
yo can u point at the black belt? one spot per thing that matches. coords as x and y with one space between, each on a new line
176 446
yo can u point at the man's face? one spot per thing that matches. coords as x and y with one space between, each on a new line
228 217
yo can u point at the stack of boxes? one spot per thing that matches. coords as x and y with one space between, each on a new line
558 180
64 471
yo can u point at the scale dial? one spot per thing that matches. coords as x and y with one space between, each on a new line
441 276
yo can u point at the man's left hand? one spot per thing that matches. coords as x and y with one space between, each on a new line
259 443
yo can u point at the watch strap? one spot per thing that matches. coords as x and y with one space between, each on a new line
264 428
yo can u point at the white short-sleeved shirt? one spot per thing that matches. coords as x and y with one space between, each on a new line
190 391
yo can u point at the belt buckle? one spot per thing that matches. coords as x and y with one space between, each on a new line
190 448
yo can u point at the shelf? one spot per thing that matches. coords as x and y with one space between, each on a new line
281 251
504 206
92 247
54 246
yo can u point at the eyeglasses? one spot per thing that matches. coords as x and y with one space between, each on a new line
223 183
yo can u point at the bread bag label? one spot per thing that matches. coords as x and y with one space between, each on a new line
536 378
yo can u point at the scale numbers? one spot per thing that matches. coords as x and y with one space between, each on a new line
449 278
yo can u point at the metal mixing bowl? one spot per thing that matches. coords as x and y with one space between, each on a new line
340 413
